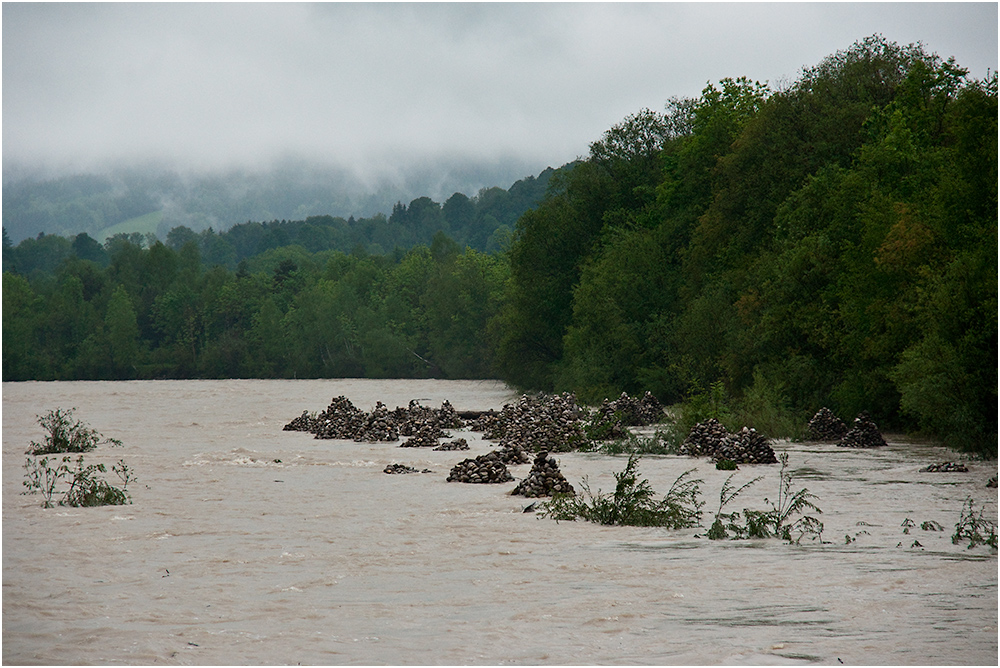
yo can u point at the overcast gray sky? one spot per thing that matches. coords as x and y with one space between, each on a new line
376 86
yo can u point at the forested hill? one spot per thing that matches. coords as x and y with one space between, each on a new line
832 243
154 197
483 222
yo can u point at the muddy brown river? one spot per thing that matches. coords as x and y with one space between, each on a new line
245 544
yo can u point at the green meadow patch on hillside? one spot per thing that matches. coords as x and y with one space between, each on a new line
142 224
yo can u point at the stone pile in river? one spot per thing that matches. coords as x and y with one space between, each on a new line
626 411
401 468
746 446
427 424
545 479
379 426
704 439
549 422
483 469
825 426
711 439
864 434
992 482
513 454
457 444
426 436
343 420
302 423
945 467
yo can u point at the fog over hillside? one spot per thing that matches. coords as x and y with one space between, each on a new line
216 113
155 198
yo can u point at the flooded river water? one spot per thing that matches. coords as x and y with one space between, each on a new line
245 544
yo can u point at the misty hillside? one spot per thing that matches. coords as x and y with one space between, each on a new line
156 200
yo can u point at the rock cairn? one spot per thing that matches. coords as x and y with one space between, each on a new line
545 479
415 417
711 439
448 418
747 446
945 467
550 422
379 426
426 436
513 455
341 419
705 439
302 423
457 444
626 411
825 426
482 470
864 434
487 422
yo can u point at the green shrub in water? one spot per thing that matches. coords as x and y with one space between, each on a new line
726 465
66 436
972 526
86 486
777 522
40 477
633 503
728 522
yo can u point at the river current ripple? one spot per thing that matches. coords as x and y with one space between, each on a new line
248 545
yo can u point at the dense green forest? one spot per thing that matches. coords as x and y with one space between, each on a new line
832 242
157 312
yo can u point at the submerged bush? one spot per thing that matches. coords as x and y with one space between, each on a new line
66 436
86 487
40 477
633 502
973 527
777 522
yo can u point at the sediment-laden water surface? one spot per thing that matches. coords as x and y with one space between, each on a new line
245 544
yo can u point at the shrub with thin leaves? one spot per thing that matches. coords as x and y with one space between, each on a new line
39 476
725 522
785 519
973 527
87 487
66 436
633 502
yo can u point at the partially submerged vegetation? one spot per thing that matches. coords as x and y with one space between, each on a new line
973 527
785 520
64 435
633 502
86 485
